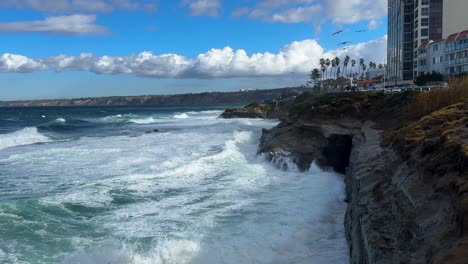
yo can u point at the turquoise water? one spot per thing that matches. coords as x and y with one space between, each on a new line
89 185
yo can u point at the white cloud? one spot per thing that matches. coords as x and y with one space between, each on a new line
373 24
69 25
18 63
298 57
319 11
82 6
203 7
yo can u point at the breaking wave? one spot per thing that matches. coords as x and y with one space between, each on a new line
25 136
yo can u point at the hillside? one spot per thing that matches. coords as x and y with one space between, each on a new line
176 99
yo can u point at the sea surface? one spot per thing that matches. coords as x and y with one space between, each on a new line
89 185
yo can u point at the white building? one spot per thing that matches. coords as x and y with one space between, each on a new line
373 73
456 53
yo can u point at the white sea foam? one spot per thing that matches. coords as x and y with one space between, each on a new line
181 116
119 118
197 195
25 136
61 120
143 121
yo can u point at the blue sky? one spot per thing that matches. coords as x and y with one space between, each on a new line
80 48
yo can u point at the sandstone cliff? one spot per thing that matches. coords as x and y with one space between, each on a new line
175 99
406 180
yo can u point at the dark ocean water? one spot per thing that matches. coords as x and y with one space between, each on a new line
89 185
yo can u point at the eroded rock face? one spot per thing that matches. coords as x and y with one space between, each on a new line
277 109
254 110
325 143
407 194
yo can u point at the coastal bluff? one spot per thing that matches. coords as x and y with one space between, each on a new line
206 98
406 179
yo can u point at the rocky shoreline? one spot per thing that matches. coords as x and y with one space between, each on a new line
406 180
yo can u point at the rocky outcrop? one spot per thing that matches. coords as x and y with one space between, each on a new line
406 180
278 108
254 110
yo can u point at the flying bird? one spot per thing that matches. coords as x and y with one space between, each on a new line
343 48
338 32
361 30
344 43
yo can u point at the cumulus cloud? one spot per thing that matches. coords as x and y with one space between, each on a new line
318 11
203 7
68 25
298 57
18 63
82 6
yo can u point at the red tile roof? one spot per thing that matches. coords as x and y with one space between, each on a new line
425 44
452 38
437 42
462 35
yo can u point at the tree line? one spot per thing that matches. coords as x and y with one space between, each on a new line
338 70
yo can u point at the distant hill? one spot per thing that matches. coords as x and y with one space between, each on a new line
176 99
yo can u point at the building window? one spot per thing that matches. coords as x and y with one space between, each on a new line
424 22
424 11
424 32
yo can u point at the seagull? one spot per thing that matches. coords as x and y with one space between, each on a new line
344 43
361 30
338 32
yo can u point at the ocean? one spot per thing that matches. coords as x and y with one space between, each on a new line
91 185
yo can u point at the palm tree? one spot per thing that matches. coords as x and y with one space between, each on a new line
322 67
361 65
315 75
353 63
333 62
364 67
327 63
337 63
345 64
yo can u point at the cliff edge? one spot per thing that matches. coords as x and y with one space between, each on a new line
406 179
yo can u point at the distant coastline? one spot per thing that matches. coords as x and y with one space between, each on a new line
174 99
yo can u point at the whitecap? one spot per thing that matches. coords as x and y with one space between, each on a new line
61 120
181 116
143 121
25 136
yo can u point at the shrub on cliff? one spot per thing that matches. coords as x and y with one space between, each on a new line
437 141
428 102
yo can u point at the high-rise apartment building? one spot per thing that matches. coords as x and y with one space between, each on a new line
400 49
410 24
427 26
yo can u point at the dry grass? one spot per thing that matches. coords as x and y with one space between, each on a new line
428 102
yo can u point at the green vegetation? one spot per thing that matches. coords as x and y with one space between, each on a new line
338 77
428 102
437 141
424 78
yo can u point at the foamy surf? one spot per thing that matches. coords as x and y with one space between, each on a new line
197 194
143 121
25 136
181 116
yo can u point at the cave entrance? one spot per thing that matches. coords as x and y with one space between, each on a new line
338 151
